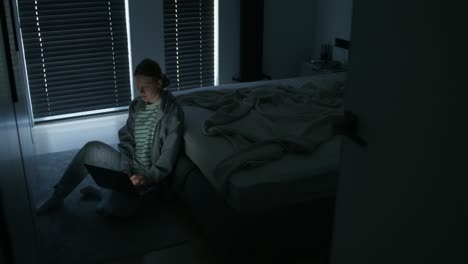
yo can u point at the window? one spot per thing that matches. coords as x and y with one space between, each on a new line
76 56
189 39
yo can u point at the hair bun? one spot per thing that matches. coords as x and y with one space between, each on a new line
165 81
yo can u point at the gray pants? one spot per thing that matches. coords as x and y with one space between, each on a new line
99 154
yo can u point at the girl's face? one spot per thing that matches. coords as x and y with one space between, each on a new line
148 88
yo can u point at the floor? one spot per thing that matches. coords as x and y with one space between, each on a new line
193 252
198 251
56 137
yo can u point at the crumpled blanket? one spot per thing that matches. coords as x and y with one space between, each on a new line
265 122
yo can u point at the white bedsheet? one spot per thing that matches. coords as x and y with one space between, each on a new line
295 177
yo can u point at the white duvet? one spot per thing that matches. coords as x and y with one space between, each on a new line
264 122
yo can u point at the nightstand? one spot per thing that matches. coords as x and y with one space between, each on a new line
315 67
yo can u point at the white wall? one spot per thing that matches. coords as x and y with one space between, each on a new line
146 31
288 36
74 134
229 45
333 20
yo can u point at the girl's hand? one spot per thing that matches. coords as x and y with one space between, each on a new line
137 179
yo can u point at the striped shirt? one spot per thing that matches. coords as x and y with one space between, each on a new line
145 124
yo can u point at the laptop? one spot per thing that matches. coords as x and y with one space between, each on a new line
111 179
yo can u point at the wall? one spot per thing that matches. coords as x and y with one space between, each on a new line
146 31
403 199
15 205
22 106
333 19
229 34
294 31
74 134
288 36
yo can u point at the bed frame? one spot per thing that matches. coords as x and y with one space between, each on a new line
299 230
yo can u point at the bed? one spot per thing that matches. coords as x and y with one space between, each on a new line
274 195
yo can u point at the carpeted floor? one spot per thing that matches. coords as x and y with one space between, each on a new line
77 234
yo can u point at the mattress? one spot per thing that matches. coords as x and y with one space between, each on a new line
292 179
320 80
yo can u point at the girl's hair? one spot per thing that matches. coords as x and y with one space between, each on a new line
150 68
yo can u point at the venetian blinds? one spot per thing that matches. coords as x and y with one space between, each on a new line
189 43
76 56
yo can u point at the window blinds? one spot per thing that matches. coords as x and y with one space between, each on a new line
189 43
76 56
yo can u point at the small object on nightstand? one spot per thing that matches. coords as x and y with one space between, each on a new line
326 53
